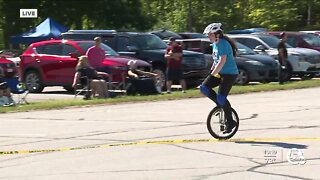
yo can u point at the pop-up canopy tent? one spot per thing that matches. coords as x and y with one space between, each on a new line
46 30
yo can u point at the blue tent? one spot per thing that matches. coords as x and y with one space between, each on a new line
46 30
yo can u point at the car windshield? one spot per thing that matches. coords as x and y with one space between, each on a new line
167 34
244 50
196 35
272 41
311 39
149 42
86 45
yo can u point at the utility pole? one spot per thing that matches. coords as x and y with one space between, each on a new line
309 14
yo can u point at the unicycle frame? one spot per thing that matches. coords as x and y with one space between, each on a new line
222 121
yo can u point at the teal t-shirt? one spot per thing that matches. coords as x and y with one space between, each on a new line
223 47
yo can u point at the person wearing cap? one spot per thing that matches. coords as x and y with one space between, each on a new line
224 71
282 56
96 54
173 56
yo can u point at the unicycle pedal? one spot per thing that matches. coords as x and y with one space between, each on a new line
222 128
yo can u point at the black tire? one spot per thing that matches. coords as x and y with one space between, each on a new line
161 80
217 135
33 81
243 77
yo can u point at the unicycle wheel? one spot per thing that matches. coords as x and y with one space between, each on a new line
216 125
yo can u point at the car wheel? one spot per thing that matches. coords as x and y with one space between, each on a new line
243 77
161 79
33 82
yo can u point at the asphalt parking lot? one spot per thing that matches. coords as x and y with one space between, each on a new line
278 139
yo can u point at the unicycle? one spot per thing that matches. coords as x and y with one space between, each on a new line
216 123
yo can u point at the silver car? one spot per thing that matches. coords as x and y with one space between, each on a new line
303 62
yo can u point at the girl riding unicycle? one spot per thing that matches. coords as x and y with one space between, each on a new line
223 121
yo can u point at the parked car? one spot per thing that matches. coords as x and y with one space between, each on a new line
252 66
302 62
317 33
299 39
8 67
192 35
165 34
247 31
149 48
53 62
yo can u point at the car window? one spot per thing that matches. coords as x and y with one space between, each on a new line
86 45
109 40
123 43
244 50
197 35
67 49
292 41
149 42
192 45
50 49
273 41
207 47
79 36
311 39
251 43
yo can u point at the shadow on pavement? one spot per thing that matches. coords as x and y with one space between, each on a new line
276 144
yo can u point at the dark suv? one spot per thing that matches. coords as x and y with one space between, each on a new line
147 47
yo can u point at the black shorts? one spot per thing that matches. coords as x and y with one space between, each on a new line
225 83
174 74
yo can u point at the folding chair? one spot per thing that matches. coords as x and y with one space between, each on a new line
18 88
117 86
83 86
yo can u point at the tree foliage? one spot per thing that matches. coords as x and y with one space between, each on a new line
178 15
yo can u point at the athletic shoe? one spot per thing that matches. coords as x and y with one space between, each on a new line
229 126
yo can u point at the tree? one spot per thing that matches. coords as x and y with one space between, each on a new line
76 14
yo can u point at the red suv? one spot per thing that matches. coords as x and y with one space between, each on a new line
53 62
8 68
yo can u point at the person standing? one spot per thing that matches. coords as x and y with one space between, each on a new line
174 72
96 54
224 71
282 56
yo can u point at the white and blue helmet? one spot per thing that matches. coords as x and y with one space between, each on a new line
212 28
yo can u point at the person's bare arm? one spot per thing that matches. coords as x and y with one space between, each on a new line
102 74
132 74
147 73
75 79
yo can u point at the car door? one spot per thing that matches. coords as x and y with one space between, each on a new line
49 62
69 63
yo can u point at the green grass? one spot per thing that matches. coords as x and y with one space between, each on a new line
192 93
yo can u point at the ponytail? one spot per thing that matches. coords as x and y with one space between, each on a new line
232 43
